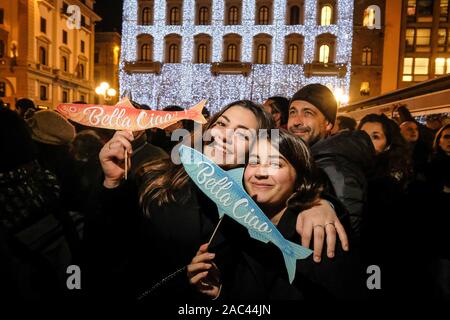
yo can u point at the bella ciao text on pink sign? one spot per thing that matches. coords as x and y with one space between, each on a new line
123 116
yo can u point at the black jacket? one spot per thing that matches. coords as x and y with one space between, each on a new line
252 270
345 158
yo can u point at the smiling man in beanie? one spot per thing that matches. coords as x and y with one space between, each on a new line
344 158
312 112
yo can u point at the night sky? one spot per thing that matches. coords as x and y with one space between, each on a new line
111 13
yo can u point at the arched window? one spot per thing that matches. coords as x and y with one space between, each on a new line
293 57
233 15
64 63
202 53
146 16
146 53
173 53
324 53
231 53
203 15
2 48
372 17
174 16
263 15
326 15
42 56
366 56
262 54
81 71
295 15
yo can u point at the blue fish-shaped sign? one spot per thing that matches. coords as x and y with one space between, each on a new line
226 190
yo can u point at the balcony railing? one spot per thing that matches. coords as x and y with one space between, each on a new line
143 67
243 68
325 69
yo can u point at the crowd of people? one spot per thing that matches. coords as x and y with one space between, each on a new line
373 192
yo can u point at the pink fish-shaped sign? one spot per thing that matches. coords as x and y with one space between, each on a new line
123 116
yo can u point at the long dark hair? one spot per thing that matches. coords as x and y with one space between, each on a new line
307 186
162 182
394 161
436 147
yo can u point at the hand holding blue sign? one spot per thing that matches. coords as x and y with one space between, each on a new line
226 190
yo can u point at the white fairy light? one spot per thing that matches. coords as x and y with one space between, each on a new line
186 83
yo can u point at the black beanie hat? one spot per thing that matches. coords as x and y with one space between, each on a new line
321 97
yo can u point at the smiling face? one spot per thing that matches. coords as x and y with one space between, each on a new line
307 122
376 134
269 178
231 135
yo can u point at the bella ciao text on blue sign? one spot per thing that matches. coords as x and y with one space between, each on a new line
232 200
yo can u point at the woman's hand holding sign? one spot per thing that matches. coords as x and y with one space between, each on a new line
203 273
112 158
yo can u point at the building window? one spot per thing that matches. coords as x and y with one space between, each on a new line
202 54
173 53
293 54
146 53
2 89
233 16
64 63
364 89
43 25
81 71
174 16
261 57
42 56
82 46
423 40
443 11
43 92
294 15
415 69
203 16
411 11
324 53
64 37
442 66
366 56
442 39
372 17
326 15
2 16
231 53
425 8
96 56
409 39
263 16
2 48
82 98
65 96
146 16
83 21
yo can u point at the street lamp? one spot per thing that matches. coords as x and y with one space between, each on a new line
104 90
341 97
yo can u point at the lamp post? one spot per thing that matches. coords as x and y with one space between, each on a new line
341 97
106 91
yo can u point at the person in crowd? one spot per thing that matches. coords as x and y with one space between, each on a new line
177 218
439 207
25 105
283 182
418 148
344 159
278 107
434 123
344 123
439 167
33 249
52 135
388 200
426 134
